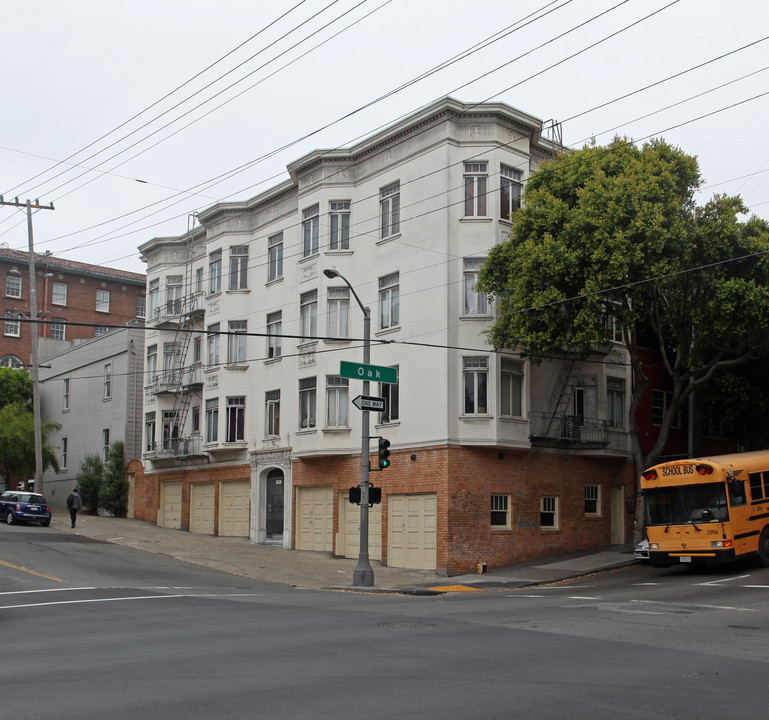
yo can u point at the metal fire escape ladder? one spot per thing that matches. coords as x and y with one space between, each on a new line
562 400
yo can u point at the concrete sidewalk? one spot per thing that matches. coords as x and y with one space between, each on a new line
321 570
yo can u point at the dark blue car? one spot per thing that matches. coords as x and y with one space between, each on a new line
17 506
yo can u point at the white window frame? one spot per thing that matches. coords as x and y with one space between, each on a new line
476 184
214 345
389 208
510 191
389 301
236 419
308 315
308 403
58 329
154 298
592 500
475 385
337 402
102 300
105 443
476 303
59 293
65 396
272 413
548 509
13 282
108 381
275 257
212 420
500 517
338 313
615 402
310 230
141 306
511 376
239 267
12 324
237 342
149 431
274 331
391 394
215 272
339 225
64 453
174 293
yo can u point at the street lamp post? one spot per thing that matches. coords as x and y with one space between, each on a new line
363 575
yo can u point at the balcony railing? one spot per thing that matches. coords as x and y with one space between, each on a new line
561 429
176 448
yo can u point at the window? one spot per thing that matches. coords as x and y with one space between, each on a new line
172 363
389 301
548 512
308 315
660 403
212 420
338 312
339 225
215 272
196 419
102 301
272 408
511 387
197 351
310 229
615 400
476 178
236 419
108 381
11 361
101 330
152 364
475 303
141 306
12 324
149 431
239 268
476 375
174 287
65 397
274 330
307 389
236 353
58 329
391 395
154 296
105 442
759 486
390 209
59 293
500 511
199 280
337 401
170 431
509 191
275 257
213 345
13 284
64 452
592 499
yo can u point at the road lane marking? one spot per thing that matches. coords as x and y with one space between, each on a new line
33 572
49 590
702 606
133 597
723 580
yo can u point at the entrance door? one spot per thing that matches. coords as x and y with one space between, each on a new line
274 503
412 531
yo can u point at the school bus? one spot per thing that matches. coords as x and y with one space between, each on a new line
707 511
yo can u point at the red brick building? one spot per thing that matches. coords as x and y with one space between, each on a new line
75 300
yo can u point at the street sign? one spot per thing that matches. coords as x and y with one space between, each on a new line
366 402
359 371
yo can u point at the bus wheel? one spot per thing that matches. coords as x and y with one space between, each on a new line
763 547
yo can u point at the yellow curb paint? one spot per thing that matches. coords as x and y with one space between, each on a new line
456 588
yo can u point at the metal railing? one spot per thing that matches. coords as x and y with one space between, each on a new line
568 430
176 447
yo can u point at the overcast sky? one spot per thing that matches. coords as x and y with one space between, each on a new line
129 117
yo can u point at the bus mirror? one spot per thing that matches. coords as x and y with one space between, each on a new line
630 505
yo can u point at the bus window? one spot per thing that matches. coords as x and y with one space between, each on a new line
737 494
684 504
756 487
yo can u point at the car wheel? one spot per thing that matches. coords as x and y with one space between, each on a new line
46 523
763 547
10 518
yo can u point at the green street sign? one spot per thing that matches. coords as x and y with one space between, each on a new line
375 373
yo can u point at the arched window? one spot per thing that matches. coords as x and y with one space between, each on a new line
11 361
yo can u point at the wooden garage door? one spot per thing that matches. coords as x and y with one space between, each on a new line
202 508
316 518
349 529
412 531
170 514
234 508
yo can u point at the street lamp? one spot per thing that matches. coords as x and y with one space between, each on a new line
363 575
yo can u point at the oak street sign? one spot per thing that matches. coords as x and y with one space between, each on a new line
359 371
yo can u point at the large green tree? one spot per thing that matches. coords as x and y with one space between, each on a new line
15 386
614 232
17 443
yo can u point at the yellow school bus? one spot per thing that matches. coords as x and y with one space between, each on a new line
707 511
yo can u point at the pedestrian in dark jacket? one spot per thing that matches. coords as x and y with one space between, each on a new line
74 503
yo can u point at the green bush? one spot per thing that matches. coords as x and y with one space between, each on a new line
113 493
89 481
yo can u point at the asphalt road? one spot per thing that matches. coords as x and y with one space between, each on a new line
94 630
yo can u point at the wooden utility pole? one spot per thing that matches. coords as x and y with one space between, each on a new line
29 205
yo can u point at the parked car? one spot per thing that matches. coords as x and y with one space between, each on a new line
17 506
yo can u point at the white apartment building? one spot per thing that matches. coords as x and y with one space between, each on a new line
249 428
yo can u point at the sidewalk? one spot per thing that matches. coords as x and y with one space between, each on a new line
307 569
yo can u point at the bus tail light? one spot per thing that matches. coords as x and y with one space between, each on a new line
720 544
704 469
650 475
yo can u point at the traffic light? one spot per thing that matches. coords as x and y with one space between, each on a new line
374 495
355 495
384 453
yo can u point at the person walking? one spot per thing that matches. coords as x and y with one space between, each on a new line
74 503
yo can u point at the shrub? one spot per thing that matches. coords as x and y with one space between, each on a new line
114 490
89 481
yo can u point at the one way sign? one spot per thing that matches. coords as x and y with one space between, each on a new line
366 402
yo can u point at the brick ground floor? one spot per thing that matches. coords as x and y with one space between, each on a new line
447 508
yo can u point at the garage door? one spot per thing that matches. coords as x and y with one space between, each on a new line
170 513
349 529
202 508
316 518
412 531
234 508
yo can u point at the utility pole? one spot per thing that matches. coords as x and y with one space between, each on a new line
29 205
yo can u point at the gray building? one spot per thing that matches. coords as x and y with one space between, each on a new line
94 390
